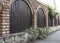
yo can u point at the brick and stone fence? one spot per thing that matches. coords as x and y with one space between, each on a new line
5 14
21 37
55 28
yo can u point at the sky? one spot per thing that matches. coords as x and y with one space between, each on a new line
50 2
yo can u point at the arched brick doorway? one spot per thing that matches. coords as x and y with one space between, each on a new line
21 16
40 18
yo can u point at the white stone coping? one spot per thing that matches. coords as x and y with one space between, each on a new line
54 28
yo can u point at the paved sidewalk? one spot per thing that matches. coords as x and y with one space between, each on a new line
54 38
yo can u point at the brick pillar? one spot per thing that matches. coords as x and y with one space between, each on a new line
6 17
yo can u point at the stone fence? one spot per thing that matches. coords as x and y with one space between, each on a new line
15 38
21 37
54 28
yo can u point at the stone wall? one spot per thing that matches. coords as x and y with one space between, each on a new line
23 37
15 38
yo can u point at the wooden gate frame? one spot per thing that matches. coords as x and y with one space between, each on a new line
34 6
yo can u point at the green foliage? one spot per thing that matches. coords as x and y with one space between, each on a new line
51 12
33 33
43 32
39 33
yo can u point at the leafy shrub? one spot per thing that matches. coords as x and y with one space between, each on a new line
52 13
39 33
33 33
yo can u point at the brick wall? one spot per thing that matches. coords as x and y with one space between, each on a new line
5 17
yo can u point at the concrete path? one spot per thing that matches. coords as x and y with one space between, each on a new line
53 38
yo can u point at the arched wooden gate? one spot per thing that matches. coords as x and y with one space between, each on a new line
40 18
21 17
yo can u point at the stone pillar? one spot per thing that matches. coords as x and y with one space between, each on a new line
46 17
35 19
57 19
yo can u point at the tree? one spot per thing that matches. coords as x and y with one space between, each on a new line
52 13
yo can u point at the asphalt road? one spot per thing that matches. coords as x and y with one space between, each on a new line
53 38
